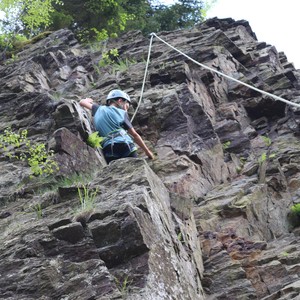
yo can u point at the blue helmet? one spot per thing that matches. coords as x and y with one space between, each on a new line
117 94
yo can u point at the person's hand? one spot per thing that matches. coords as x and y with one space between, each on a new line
87 103
150 154
89 100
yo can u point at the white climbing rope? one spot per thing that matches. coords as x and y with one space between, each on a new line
210 69
145 75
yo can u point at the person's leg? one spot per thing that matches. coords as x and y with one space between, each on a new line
130 151
110 153
119 150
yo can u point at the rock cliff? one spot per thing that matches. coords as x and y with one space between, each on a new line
209 218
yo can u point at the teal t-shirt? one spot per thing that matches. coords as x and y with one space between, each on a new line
112 122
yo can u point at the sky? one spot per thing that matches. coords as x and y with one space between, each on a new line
275 22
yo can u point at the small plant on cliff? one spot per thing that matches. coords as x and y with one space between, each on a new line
295 209
99 44
180 238
284 254
94 140
12 59
56 95
17 146
9 46
241 165
87 204
37 208
86 198
294 215
123 285
267 140
122 65
109 57
226 145
265 156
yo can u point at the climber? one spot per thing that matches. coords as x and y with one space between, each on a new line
112 122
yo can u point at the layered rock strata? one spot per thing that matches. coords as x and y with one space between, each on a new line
210 218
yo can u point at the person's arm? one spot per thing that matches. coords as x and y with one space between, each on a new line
87 103
137 138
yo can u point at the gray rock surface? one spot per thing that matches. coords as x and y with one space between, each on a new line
209 218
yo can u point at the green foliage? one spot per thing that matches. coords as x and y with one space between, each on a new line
139 12
294 215
37 208
243 160
241 165
74 179
12 59
40 160
97 46
179 236
109 57
122 65
18 146
267 140
100 35
262 158
100 20
226 145
62 181
86 198
11 138
285 254
9 41
182 14
14 43
265 156
60 20
9 44
94 19
295 209
94 140
37 13
29 15
207 6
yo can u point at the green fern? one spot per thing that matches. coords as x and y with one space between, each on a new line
94 140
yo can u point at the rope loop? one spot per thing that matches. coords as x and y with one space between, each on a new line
207 68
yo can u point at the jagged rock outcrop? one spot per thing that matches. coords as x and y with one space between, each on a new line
208 219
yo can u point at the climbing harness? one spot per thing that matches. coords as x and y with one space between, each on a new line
117 133
207 68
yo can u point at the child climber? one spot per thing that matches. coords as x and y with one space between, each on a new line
112 122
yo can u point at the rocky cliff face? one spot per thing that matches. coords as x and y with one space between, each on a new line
208 219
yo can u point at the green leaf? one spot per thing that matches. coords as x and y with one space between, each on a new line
94 140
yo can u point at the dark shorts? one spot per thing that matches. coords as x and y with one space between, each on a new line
119 150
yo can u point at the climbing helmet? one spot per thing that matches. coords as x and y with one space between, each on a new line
117 94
